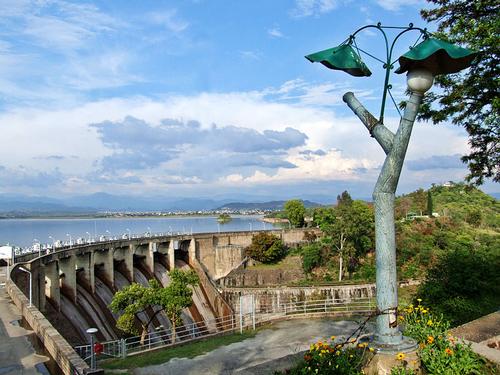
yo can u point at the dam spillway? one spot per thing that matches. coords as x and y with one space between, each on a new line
79 282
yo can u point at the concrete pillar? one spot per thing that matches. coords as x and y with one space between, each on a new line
86 263
126 255
67 267
150 257
52 287
171 256
38 286
192 250
104 257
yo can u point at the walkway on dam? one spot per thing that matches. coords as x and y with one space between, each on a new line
257 355
17 355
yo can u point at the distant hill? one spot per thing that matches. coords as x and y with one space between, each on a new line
271 205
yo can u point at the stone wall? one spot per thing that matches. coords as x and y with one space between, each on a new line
261 277
64 355
273 297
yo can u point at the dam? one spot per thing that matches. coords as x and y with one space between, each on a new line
73 286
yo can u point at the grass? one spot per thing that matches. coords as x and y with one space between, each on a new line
190 350
406 294
288 263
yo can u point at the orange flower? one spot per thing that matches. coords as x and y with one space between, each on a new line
448 351
307 358
430 339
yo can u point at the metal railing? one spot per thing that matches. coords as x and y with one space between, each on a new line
238 322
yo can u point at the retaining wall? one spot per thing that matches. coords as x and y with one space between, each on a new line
271 297
64 355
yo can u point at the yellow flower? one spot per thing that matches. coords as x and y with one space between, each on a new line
337 352
350 356
419 299
430 339
448 351
333 337
400 356
401 317
371 349
429 322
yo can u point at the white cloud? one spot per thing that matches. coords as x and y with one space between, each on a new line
306 8
395 5
250 55
275 32
348 152
170 20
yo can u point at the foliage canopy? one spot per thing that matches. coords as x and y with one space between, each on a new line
470 98
266 248
135 299
295 212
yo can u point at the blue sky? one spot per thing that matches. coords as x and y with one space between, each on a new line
200 98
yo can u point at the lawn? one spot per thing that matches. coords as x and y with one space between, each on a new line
189 350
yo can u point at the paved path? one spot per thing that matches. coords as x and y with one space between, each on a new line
17 355
281 340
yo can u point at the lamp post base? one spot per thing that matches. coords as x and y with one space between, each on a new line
389 356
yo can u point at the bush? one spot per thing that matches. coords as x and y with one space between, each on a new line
266 248
440 353
311 257
464 285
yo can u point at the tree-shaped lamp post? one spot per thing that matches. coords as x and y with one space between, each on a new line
424 61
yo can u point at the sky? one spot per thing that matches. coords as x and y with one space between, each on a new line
202 98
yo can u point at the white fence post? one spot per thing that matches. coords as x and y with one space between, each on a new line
253 311
123 348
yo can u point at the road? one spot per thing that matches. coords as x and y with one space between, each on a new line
17 355
282 339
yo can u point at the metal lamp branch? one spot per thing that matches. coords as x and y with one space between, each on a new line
425 60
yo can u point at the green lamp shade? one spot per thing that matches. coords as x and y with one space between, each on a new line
341 58
437 56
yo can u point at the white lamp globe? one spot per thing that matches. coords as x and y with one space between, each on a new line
419 80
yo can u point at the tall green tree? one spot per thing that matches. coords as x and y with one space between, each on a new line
351 228
429 203
295 212
344 199
470 98
135 299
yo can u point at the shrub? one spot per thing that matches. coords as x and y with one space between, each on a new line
464 285
311 257
266 248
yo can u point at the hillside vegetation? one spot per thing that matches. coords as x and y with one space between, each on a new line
447 236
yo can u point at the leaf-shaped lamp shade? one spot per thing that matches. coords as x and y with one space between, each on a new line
436 56
344 58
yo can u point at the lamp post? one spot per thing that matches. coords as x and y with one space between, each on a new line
31 284
88 234
52 240
70 240
424 61
129 233
92 332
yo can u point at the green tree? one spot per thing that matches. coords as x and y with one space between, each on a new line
351 228
429 204
470 98
295 211
344 199
135 299
266 248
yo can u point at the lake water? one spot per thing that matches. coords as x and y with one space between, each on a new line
23 232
